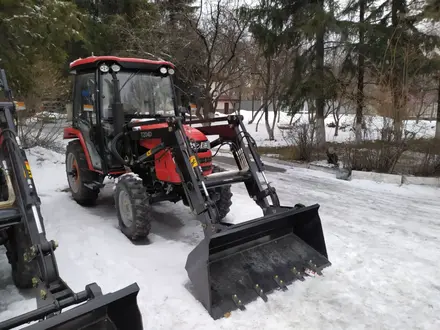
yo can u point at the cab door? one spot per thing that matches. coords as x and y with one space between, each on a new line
84 114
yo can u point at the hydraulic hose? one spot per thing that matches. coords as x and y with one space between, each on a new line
115 152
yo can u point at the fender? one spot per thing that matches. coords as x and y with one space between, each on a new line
73 133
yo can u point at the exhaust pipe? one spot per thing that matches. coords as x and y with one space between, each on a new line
250 260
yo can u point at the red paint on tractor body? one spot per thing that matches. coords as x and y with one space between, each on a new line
125 62
73 133
164 165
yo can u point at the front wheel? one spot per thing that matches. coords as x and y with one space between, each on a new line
132 207
221 196
16 247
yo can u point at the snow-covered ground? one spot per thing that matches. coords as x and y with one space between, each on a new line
382 240
422 129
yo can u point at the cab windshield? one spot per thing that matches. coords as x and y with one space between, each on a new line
141 94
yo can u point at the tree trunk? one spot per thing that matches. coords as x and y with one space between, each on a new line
258 121
397 109
253 102
320 100
266 98
275 115
239 100
254 116
361 69
207 110
336 119
397 8
266 119
437 125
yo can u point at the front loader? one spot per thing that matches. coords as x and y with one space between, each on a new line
32 256
127 124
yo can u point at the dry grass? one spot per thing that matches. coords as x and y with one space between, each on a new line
416 157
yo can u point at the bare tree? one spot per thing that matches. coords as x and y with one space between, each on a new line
40 123
271 76
437 126
221 33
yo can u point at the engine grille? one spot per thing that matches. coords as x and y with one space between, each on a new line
205 160
206 168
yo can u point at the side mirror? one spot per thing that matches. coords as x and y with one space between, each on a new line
69 111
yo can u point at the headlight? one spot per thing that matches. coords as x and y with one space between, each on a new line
205 145
116 68
104 68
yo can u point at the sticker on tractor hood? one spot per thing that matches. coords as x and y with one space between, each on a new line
197 145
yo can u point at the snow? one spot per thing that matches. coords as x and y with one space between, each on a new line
382 240
422 129
54 123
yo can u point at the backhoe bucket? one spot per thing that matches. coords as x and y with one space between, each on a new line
113 311
251 259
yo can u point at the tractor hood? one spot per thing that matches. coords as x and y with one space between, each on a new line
192 133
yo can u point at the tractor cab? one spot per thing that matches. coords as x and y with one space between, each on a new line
108 93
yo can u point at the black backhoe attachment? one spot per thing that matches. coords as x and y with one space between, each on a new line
32 256
236 264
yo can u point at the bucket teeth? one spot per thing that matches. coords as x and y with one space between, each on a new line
260 292
298 275
280 282
238 302
313 268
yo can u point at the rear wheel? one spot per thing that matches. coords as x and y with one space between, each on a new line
132 207
221 196
78 174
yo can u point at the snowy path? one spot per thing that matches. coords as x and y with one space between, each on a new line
382 240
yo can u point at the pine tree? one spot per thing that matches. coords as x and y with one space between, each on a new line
34 29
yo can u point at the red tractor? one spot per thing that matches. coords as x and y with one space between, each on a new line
144 91
127 124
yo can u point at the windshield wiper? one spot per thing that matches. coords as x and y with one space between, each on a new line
128 79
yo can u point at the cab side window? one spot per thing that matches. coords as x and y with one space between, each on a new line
85 97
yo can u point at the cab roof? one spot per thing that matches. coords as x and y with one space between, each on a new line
125 62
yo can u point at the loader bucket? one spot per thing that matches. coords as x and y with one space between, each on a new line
113 311
252 259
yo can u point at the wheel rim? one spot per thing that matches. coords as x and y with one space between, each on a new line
125 208
73 173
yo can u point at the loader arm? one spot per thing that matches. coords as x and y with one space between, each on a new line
195 184
53 294
236 264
